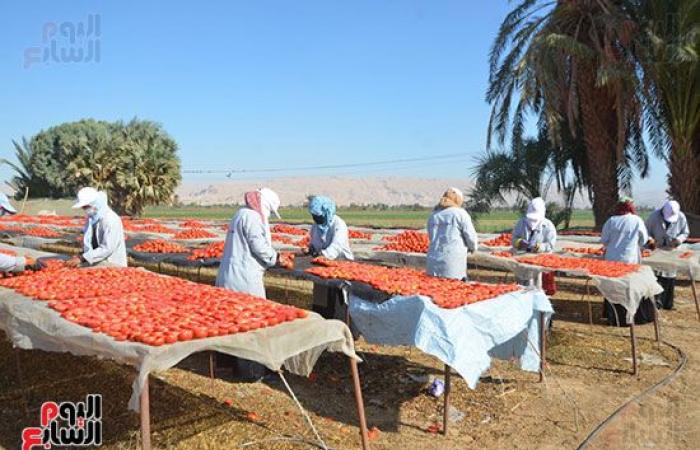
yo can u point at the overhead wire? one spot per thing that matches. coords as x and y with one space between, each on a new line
328 166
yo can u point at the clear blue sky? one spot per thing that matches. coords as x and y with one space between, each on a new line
260 84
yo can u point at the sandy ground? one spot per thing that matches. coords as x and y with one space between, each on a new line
588 377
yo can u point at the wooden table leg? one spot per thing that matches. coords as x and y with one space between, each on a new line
360 403
212 365
657 328
20 379
543 344
634 349
145 418
695 296
448 387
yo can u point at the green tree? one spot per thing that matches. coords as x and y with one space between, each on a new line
136 163
672 44
573 64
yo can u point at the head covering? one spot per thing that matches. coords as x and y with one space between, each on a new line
6 205
670 211
322 206
536 211
625 206
252 201
270 202
86 196
452 197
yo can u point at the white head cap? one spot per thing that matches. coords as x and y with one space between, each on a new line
6 205
535 211
270 201
86 196
670 211
458 192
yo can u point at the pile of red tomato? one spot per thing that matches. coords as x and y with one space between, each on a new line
356 234
598 267
446 293
502 240
502 254
597 251
8 252
287 229
282 239
211 251
407 241
304 242
192 224
160 246
56 221
41 232
286 260
579 233
140 306
153 228
686 255
194 233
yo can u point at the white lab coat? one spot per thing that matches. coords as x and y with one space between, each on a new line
545 234
248 253
663 233
110 240
10 263
452 236
334 243
623 237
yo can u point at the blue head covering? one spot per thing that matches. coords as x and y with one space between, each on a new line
322 206
6 205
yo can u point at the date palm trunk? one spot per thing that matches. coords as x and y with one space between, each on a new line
600 124
684 177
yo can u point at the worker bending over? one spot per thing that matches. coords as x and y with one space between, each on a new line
329 233
103 235
668 228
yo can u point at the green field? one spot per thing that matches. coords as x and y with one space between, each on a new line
390 218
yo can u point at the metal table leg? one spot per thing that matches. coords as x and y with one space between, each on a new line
360 403
145 418
212 365
634 349
446 412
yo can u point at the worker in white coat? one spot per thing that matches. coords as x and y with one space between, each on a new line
623 235
247 254
329 233
9 263
668 228
248 248
103 236
6 208
452 236
534 232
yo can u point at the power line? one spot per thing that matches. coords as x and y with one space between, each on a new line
323 167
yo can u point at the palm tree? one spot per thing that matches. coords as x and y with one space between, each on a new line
573 64
671 65
528 171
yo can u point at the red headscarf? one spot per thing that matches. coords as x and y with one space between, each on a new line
252 201
626 207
